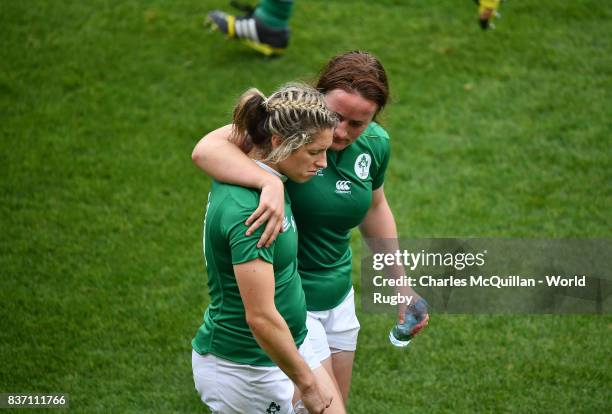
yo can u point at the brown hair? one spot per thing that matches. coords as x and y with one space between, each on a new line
295 113
356 71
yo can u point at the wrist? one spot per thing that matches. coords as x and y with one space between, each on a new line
268 179
306 382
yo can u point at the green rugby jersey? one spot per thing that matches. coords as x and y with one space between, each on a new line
328 206
225 332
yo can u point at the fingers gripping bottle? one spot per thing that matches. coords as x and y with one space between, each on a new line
401 334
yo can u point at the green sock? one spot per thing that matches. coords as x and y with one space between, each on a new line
274 13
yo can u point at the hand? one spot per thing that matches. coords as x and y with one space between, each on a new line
271 210
316 399
401 313
418 309
422 324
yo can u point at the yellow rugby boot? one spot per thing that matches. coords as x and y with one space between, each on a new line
487 10
250 31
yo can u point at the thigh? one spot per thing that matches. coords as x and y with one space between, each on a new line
227 387
342 330
325 381
342 366
342 326
317 335
307 351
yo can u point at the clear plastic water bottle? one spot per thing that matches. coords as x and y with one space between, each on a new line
299 408
401 334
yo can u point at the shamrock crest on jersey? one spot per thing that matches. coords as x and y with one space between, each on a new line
362 165
273 408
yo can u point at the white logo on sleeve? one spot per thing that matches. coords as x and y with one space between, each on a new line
288 223
204 231
343 187
362 165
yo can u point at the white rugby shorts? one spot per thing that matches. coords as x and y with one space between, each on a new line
334 330
227 387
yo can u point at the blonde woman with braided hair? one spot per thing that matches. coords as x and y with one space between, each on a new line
252 349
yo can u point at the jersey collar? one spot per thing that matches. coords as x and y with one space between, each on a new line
271 170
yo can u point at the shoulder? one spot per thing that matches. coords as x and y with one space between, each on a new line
242 195
375 132
375 139
233 199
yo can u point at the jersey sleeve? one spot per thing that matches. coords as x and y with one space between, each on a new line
244 248
383 153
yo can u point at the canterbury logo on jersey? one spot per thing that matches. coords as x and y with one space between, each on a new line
343 187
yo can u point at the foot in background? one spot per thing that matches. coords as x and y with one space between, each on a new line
264 28
487 10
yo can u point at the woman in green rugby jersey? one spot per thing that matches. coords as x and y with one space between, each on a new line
346 194
253 346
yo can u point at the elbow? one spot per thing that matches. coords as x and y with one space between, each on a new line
197 157
257 322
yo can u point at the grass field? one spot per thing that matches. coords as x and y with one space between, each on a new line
503 133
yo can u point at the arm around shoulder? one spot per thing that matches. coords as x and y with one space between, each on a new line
221 159
224 161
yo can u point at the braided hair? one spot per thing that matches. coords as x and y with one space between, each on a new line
295 113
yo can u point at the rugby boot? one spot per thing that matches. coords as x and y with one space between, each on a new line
250 31
487 10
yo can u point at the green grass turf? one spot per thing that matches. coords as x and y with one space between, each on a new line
503 133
